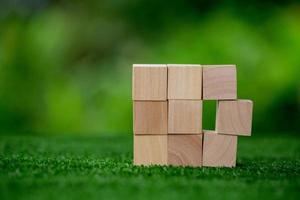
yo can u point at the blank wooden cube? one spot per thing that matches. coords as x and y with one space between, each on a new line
219 82
149 82
184 82
219 150
150 150
185 117
185 150
150 117
234 117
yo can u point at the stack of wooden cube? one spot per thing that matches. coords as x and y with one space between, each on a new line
167 106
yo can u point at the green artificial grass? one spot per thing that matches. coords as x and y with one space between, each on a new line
68 167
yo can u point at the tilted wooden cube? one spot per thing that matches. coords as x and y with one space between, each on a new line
219 82
149 82
185 116
176 150
150 117
234 117
219 150
184 82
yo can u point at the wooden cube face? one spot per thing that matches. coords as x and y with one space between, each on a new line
185 117
234 117
150 149
219 150
150 117
219 82
184 82
185 150
149 82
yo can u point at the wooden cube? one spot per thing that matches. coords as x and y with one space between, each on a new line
184 82
150 150
219 82
185 150
185 117
219 150
234 117
149 82
150 117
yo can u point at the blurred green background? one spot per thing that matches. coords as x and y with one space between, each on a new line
65 65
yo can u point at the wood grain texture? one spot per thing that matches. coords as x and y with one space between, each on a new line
149 82
219 82
219 150
185 150
184 81
150 117
150 150
234 117
185 116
